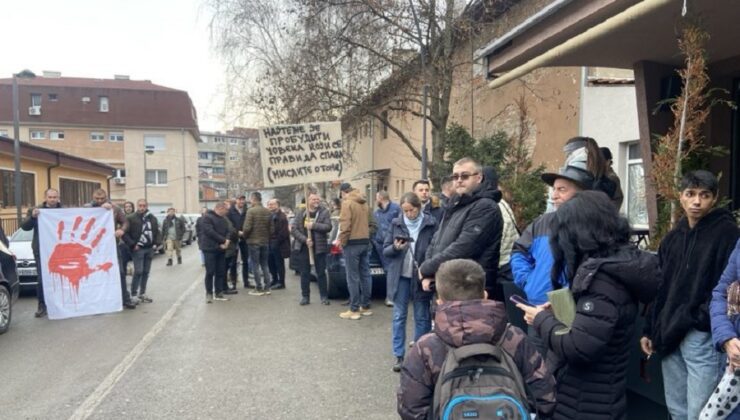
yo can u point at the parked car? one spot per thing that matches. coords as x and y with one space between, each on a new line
187 237
9 287
20 246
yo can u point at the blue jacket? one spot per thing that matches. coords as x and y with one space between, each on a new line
531 260
384 218
395 257
723 327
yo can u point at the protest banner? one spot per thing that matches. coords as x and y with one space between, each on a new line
301 154
79 262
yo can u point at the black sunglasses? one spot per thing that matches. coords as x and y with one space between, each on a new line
463 176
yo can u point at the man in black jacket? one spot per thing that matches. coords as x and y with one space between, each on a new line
213 241
470 228
310 227
692 257
142 237
51 201
237 213
279 248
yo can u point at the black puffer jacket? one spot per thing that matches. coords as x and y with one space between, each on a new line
692 261
590 361
470 228
214 230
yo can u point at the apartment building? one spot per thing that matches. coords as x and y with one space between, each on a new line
114 121
228 164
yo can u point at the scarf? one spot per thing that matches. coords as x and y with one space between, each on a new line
146 239
414 226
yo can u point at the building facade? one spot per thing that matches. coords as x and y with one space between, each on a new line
228 165
114 121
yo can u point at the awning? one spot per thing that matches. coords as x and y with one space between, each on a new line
644 31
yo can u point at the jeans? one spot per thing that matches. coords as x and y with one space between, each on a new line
319 261
215 271
690 375
258 255
357 266
243 250
40 281
276 262
124 256
142 265
422 317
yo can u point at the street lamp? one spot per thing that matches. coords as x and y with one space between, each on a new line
148 150
25 74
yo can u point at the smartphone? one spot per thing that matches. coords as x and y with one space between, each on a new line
404 238
520 300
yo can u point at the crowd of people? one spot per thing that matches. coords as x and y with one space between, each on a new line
448 256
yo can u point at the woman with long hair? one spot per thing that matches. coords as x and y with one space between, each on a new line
608 277
405 247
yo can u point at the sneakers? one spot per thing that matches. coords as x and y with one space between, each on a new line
129 305
145 299
41 311
209 298
304 301
230 291
266 291
389 303
255 292
325 301
350 314
220 297
365 311
398 364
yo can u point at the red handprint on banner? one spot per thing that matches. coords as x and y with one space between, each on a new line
69 260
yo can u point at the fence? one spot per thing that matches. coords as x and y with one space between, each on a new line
9 225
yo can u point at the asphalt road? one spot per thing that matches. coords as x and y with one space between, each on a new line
249 358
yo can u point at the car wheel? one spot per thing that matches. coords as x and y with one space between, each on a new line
6 309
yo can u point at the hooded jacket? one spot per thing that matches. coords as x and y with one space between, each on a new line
590 361
692 261
458 323
725 327
354 220
470 228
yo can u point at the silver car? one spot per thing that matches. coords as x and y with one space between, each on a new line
20 245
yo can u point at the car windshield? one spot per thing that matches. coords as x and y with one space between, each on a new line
21 235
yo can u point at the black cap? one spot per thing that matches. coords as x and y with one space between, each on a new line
580 177
345 187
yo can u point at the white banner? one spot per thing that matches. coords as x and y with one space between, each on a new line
79 262
301 154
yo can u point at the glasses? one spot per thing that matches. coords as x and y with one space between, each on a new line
463 176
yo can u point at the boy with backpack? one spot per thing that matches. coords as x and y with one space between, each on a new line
473 365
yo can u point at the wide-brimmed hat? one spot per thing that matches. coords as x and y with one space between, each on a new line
579 176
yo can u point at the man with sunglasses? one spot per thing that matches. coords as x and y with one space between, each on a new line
470 227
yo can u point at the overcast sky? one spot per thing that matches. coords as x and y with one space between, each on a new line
165 41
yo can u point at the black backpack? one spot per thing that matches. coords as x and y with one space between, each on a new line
480 381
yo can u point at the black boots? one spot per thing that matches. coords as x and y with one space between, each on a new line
169 261
179 260
40 311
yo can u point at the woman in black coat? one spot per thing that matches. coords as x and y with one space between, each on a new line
608 276
404 247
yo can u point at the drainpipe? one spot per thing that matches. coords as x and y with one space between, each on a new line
603 29
184 172
48 172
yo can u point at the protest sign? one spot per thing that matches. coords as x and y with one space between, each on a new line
79 262
300 154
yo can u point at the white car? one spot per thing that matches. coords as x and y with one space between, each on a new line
20 245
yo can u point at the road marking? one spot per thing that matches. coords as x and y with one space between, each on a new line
92 402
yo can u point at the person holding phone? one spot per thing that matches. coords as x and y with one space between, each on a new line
608 277
404 247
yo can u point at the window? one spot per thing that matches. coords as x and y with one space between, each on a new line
385 126
154 142
74 193
635 188
202 155
219 170
35 99
97 136
119 173
7 188
234 141
53 97
103 104
156 177
233 157
4 133
56 135
38 134
115 136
